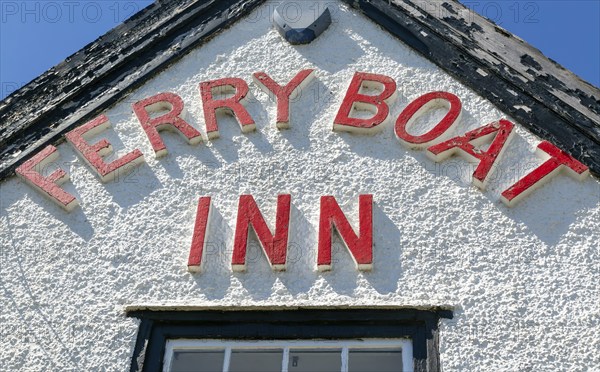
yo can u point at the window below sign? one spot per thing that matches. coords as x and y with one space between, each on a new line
292 340
381 355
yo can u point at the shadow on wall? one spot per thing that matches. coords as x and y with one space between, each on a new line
28 315
36 326
132 186
261 283
301 254
215 280
179 150
547 213
551 210
45 209
336 42
345 279
315 98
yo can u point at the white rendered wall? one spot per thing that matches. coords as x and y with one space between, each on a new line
523 282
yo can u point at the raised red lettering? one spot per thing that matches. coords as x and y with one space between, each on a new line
360 246
420 106
282 94
274 245
231 105
199 237
171 120
557 161
31 172
501 131
376 104
93 154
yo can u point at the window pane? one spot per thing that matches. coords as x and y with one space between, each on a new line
375 360
198 361
315 360
265 360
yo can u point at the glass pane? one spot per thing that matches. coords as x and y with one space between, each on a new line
315 360
198 361
265 360
375 360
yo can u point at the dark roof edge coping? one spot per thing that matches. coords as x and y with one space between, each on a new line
549 100
106 71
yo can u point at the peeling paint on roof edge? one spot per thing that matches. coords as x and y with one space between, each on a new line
562 108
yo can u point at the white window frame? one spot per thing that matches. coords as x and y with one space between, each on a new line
174 345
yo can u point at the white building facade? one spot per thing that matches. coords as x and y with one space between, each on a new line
131 274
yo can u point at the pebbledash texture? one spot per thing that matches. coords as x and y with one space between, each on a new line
493 287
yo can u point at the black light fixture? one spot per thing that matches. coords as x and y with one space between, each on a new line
300 22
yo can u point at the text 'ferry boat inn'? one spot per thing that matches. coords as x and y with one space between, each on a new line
301 186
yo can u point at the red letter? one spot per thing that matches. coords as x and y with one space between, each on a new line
421 105
377 104
501 130
360 247
232 105
93 154
31 171
199 237
275 246
283 93
557 160
172 120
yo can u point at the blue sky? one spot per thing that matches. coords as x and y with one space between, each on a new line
36 35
